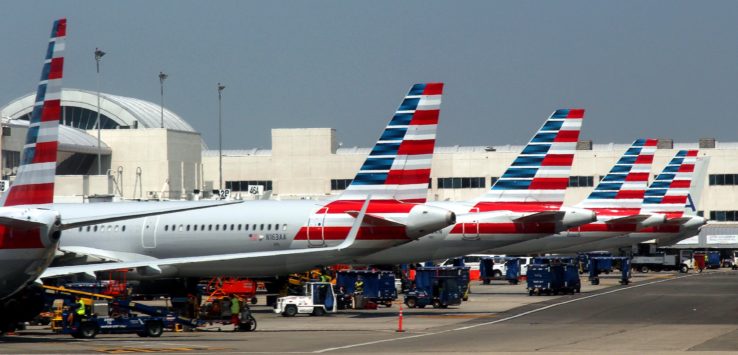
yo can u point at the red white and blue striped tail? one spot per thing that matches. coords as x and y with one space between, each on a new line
34 183
399 165
621 191
669 192
537 179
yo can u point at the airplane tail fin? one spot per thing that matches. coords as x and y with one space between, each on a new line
538 177
399 165
697 186
34 183
621 191
668 194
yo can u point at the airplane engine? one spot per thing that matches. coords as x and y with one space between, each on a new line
653 219
574 216
424 219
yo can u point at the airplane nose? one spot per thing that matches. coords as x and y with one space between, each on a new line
574 216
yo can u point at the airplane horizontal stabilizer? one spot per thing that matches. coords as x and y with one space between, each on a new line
376 220
17 223
542 217
638 218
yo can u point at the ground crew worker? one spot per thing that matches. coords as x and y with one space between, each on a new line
235 310
79 310
359 293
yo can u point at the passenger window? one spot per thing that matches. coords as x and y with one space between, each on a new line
284 227
225 227
269 227
233 226
210 227
123 228
261 227
180 227
202 227
245 227
95 229
110 228
166 227
239 227
194 227
116 228
88 228
188 227
80 229
217 227
253 227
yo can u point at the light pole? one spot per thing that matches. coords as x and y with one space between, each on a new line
162 77
220 133
98 56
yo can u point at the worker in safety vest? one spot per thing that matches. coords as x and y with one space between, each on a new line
235 310
359 293
78 310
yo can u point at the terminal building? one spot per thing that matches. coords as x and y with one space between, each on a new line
146 152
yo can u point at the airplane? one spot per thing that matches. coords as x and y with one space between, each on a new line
667 196
30 227
524 204
270 237
616 199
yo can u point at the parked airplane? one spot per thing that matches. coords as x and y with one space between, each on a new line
524 204
616 199
268 238
668 195
30 227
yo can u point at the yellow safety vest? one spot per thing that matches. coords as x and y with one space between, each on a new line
81 309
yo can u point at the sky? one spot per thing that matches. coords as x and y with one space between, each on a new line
662 69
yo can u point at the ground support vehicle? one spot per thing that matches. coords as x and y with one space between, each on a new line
595 269
219 287
317 298
500 268
659 262
438 286
553 278
603 266
379 286
211 313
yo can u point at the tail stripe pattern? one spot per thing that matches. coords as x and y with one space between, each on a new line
34 183
668 193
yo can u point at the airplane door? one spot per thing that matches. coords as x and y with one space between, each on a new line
316 228
148 232
470 229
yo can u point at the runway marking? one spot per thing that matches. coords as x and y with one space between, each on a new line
502 319
455 316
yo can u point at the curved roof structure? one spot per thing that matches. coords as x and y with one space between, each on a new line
73 140
127 112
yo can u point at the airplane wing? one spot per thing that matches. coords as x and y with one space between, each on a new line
105 255
71 223
541 217
156 264
633 219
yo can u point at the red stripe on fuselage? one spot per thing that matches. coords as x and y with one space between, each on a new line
605 227
341 232
663 228
20 239
30 194
386 206
504 228
516 206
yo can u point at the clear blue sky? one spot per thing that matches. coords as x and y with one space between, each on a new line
640 68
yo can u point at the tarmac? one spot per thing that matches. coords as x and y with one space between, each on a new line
656 313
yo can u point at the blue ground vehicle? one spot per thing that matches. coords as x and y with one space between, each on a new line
379 286
553 278
437 286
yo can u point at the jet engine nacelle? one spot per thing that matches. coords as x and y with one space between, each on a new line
574 217
46 221
694 223
424 219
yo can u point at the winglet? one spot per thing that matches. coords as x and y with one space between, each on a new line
34 183
399 165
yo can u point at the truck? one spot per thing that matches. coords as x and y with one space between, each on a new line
437 286
317 299
660 262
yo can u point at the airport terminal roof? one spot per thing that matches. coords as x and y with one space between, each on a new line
127 112
73 140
